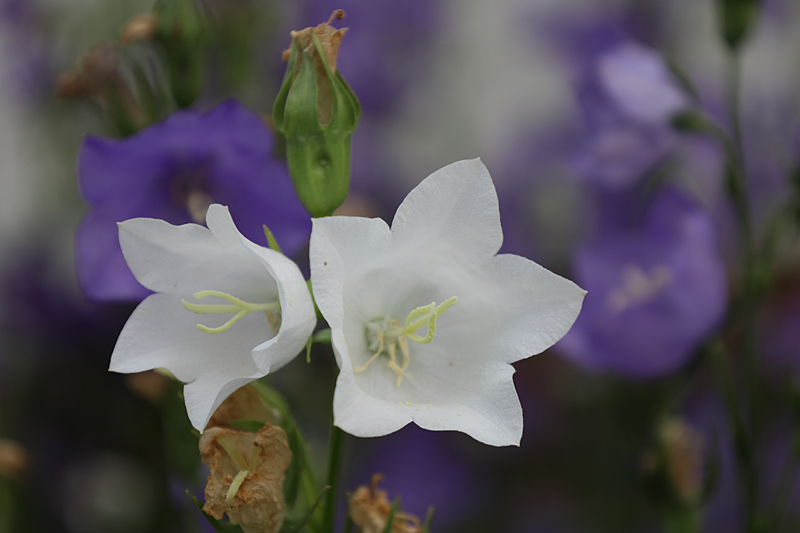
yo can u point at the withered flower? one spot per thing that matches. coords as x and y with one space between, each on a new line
139 28
369 510
683 454
244 404
246 473
13 458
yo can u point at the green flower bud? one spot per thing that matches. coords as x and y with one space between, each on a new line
737 18
317 112
181 32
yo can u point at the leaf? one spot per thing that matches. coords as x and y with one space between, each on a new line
219 527
293 526
247 424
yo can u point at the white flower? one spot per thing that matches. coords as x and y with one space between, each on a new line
259 317
488 311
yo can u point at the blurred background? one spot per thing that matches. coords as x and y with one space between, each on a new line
641 148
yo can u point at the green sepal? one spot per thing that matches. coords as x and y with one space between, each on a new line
320 337
247 424
426 526
219 527
294 526
390 519
271 241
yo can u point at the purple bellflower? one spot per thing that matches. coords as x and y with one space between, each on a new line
627 98
173 171
653 293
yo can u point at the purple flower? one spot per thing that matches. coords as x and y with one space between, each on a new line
173 171
654 292
627 98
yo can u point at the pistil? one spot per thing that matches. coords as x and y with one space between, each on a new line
238 307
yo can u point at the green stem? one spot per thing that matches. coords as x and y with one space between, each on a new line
334 466
749 298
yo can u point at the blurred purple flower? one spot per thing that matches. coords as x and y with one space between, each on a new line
627 98
173 171
654 293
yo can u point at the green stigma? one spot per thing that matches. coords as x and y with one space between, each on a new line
237 307
385 335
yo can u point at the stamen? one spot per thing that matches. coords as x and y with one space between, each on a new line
387 334
239 307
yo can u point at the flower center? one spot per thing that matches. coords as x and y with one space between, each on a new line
638 286
237 307
188 189
385 335
245 467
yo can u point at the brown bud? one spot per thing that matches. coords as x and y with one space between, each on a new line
13 458
246 473
684 449
246 404
369 510
150 385
97 72
139 28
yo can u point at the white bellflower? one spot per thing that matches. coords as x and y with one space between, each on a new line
426 319
226 310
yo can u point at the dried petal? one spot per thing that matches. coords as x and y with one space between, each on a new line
247 404
13 458
256 463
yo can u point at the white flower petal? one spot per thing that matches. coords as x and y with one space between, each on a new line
190 258
298 317
162 334
454 209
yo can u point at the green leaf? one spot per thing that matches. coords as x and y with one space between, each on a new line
390 519
219 527
273 244
247 424
426 527
293 526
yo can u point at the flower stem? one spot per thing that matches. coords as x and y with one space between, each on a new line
334 466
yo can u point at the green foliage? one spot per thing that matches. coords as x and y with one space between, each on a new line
219 527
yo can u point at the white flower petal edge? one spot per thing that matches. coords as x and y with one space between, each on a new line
179 261
442 243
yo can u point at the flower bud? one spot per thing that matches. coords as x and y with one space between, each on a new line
181 31
736 20
13 459
317 112
98 76
246 473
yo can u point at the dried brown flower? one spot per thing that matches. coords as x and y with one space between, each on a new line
97 72
139 28
369 510
247 404
13 458
683 453
150 385
246 473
